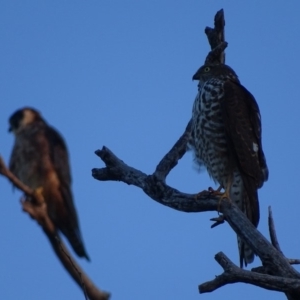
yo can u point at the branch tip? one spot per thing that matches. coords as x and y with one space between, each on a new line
98 152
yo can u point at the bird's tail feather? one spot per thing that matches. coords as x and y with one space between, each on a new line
246 253
75 239
245 197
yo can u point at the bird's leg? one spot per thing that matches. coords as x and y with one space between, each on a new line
223 195
220 194
226 195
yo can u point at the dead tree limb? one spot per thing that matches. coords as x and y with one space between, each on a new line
234 274
272 231
276 272
36 207
274 239
274 262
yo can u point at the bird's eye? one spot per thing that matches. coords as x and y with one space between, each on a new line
206 69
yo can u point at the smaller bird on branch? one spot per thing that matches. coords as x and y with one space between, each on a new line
40 160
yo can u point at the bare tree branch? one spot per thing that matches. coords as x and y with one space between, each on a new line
234 274
273 261
276 272
272 231
294 261
36 207
273 237
159 191
216 39
171 159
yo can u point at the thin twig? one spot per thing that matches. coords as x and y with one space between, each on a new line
74 266
171 159
294 261
216 37
272 230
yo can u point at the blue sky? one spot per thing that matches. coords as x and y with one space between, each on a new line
118 73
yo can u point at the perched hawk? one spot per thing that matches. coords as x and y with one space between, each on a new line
226 139
40 159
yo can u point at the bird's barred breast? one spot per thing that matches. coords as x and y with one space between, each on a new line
208 132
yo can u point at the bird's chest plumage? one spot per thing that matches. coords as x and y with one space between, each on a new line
30 158
208 134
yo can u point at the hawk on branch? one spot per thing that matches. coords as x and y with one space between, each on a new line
226 139
40 159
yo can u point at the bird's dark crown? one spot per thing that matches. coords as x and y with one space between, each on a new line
23 117
215 71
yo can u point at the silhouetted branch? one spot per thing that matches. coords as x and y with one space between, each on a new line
276 272
274 239
216 39
294 261
36 207
171 159
274 262
272 231
234 274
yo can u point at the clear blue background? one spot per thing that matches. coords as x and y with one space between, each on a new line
118 73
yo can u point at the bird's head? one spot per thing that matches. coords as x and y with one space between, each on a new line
219 71
22 118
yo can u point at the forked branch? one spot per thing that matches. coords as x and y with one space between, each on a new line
277 272
234 274
274 262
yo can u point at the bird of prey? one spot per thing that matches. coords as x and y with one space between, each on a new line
226 139
40 160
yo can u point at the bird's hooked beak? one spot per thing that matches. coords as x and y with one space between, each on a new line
10 129
196 75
